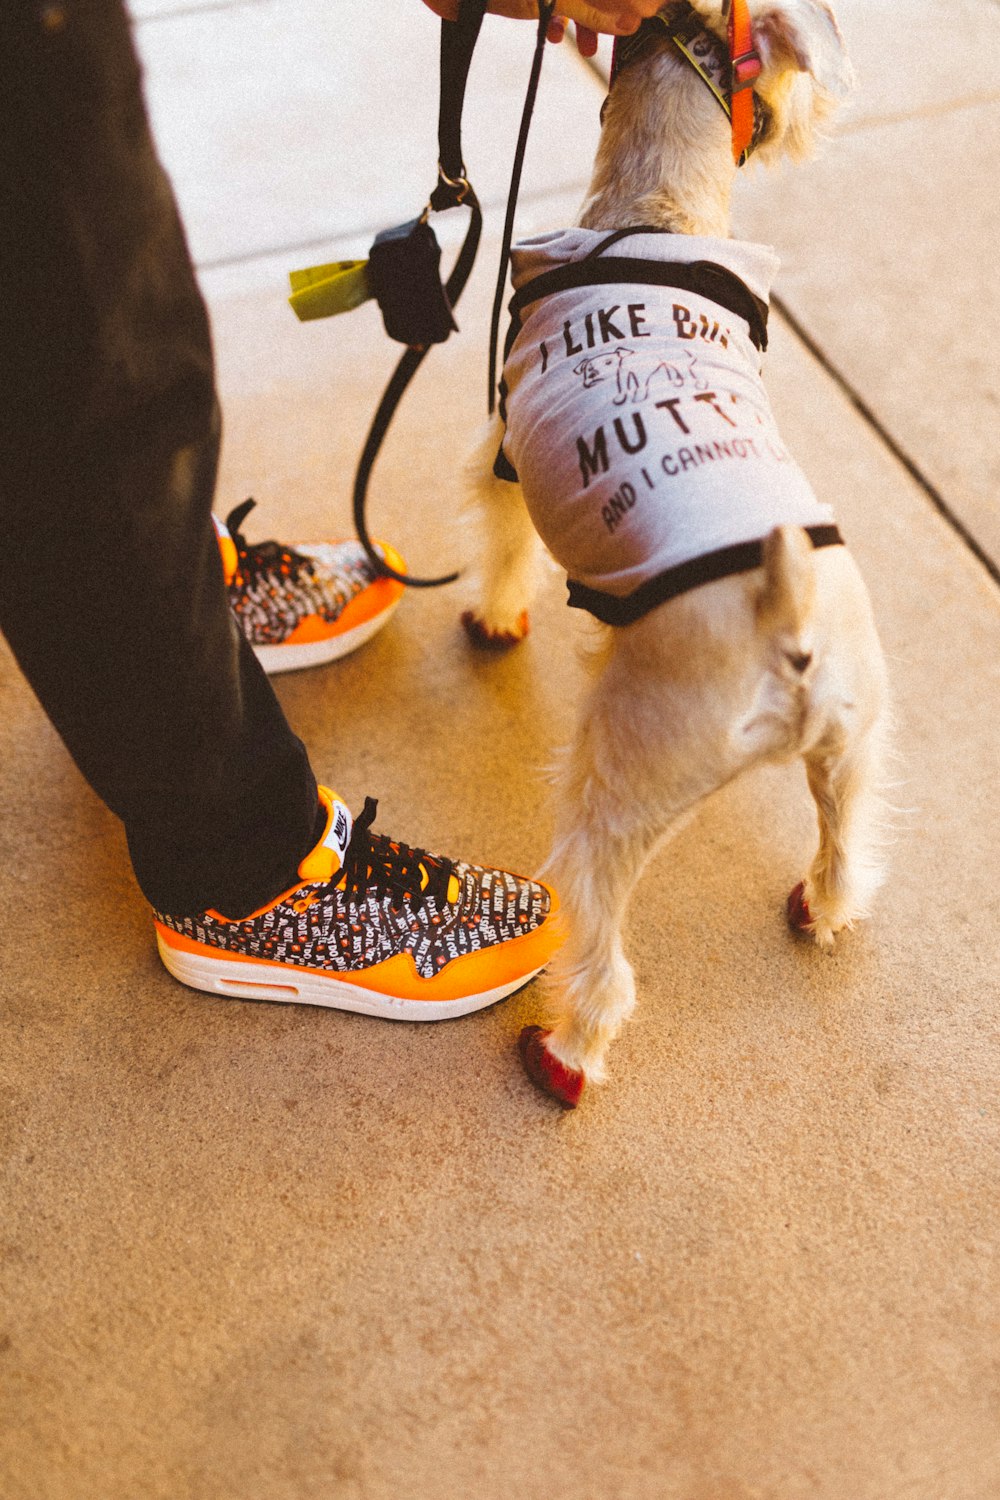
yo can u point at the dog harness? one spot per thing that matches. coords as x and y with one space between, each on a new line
729 69
637 421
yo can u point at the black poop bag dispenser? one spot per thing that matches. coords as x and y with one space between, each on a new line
404 274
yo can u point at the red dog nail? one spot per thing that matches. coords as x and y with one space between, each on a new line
564 1084
799 915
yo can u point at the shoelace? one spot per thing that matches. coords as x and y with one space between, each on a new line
373 862
261 557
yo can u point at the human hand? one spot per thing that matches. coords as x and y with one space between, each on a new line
617 17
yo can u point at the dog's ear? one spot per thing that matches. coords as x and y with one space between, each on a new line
622 352
804 35
806 72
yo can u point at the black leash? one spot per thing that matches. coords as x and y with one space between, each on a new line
404 261
458 42
545 13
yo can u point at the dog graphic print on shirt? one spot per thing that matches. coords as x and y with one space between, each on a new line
634 372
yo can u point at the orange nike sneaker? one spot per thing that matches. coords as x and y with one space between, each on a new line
373 926
304 605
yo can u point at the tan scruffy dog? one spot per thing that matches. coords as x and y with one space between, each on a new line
737 627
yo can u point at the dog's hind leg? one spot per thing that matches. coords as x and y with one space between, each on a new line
848 868
505 567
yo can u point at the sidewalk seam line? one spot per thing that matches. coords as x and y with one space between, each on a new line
340 236
862 123
185 12
867 413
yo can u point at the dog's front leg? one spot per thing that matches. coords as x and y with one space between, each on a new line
505 565
629 779
590 985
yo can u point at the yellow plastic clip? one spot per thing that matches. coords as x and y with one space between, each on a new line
323 291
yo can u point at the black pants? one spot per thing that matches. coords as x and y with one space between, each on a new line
111 590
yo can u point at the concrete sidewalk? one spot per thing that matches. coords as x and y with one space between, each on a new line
257 1253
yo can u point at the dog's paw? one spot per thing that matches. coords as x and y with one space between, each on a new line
552 1076
486 639
801 920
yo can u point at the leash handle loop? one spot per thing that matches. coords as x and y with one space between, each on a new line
458 42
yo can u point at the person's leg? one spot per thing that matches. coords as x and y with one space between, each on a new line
112 592
111 589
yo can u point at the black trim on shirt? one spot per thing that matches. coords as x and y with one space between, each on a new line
702 277
743 557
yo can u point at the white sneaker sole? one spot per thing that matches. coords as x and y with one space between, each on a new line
243 981
276 659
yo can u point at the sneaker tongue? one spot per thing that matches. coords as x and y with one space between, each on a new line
328 856
227 549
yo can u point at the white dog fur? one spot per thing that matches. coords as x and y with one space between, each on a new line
711 682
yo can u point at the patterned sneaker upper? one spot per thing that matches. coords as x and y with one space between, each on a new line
374 899
273 588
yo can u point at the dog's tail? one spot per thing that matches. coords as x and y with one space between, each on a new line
787 604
